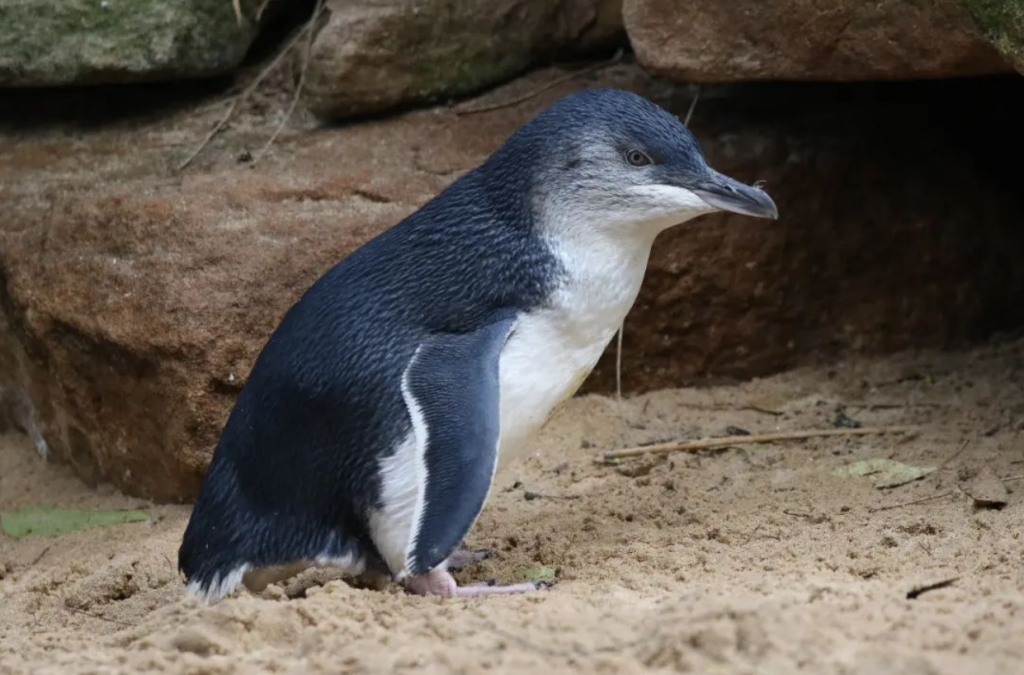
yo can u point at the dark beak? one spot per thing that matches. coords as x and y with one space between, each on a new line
727 194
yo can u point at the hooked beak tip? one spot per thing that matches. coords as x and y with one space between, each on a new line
727 194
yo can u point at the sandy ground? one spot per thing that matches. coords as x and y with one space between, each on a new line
757 559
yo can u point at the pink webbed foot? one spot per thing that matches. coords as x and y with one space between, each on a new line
440 582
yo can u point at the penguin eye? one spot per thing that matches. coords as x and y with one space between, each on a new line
638 158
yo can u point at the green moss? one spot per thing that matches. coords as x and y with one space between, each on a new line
54 42
45 521
439 64
1002 24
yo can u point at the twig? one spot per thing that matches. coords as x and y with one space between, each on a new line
618 382
960 450
530 496
229 95
237 4
618 365
763 411
623 422
261 9
750 537
726 441
918 591
40 556
922 500
863 405
209 137
298 88
693 106
245 93
541 89
98 616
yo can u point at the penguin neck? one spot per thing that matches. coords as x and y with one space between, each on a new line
604 265
597 242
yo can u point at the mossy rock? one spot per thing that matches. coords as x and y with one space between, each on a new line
63 42
371 56
1002 24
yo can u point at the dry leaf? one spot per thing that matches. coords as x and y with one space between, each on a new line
885 473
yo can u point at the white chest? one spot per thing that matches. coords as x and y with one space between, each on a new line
554 349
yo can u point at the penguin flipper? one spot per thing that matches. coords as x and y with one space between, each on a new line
452 391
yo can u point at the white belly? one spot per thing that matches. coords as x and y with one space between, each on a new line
553 350
540 368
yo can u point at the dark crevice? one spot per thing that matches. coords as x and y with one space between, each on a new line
280 20
92 349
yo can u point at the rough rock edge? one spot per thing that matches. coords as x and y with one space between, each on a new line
1002 24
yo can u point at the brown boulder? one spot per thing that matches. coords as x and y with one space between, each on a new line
133 299
375 55
697 41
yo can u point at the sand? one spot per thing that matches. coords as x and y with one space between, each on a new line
757 559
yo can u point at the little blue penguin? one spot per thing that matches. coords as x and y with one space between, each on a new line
370 428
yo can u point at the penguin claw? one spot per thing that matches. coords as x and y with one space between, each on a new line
439 582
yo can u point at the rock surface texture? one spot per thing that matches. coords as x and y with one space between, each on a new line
697 41
134 299
72 42
375 55
1002 23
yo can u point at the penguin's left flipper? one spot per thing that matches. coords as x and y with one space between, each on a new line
452 391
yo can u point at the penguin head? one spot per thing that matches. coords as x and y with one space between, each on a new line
609 158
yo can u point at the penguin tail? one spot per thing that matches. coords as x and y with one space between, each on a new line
214 586
213 556
228 543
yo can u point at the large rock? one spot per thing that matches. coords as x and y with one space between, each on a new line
699 41
134 299
1002 23
60 42
375 55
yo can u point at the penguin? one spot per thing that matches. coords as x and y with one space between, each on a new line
370 428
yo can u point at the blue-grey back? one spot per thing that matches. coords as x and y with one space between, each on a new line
323 401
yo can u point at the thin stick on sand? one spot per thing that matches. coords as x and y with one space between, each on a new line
726 441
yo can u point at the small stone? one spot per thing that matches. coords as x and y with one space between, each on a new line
986 489
844 421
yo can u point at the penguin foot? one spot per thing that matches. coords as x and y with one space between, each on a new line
464 557
440 583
